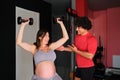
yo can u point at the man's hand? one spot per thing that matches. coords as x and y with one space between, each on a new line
73 48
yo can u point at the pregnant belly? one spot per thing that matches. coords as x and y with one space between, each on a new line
45 69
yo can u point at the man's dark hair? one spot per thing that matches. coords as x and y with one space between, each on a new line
83 22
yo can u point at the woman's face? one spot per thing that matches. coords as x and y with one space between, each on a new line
45 39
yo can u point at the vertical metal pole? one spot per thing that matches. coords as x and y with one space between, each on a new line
72 38
72 68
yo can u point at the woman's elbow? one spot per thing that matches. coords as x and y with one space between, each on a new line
66 38
18 42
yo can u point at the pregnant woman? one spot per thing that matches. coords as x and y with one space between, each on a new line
43 51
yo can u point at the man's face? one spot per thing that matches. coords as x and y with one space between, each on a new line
80 30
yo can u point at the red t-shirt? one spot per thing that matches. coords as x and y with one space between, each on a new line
87 43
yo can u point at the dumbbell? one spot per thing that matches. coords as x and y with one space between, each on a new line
62 18
20 20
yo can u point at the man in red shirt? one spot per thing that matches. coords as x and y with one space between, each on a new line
84 47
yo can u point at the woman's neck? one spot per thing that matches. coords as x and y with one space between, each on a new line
43 46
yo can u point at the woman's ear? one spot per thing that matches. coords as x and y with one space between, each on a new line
40 38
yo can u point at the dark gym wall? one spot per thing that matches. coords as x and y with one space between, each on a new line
8 30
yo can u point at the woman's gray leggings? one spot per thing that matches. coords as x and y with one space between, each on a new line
55 77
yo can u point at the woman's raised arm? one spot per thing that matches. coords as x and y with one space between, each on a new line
19 42
64 38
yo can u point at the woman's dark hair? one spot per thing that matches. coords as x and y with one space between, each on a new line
83 22
40 33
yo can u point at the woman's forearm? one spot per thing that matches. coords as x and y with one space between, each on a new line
20 34
65 34
68 49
